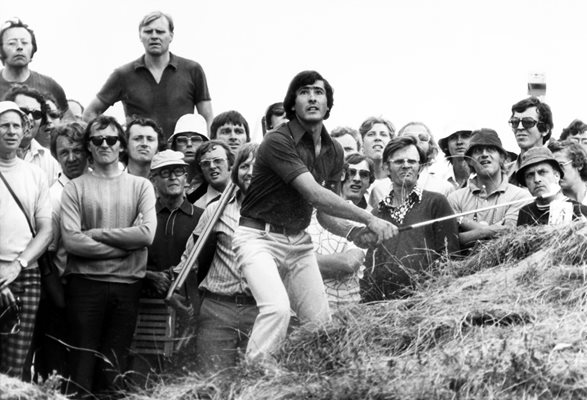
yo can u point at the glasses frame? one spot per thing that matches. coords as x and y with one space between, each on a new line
363 173
166 173
98 140
36 115
217 162
527 122
191 139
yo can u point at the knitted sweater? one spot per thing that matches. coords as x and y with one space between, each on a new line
106 225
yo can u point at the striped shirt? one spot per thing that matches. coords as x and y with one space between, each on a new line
224 276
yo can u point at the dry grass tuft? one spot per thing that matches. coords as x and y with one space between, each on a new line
507 323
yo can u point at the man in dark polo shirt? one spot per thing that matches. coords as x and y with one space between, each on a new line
159 85
298 167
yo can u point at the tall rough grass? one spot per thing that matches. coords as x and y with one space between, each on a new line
509 322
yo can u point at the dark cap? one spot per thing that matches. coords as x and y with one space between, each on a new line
536 155
487 138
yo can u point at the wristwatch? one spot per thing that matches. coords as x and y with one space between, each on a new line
23 263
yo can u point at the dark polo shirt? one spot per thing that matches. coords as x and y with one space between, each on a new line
283 155
173 230
182 85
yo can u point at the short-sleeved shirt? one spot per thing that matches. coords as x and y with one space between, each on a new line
284 154
182 86
473 198
42 83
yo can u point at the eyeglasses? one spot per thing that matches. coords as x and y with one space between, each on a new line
578 140
527 122
402 162
37 115
183 140
216 162
98 140
562 164
176 171
363 173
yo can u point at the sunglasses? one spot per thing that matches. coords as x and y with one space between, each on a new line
184 140
98 140
178 172
527 122
37 115
363 173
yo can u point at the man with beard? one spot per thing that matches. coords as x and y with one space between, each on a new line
159 85
488 187
393 265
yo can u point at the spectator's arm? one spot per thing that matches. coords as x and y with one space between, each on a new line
334 266
95 108
204 108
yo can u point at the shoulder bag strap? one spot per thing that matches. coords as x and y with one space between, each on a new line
17 202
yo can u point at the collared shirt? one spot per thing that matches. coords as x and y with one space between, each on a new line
182 86
474 196
224 276
173 230
42 158
285 154
398 213
208 197
55 192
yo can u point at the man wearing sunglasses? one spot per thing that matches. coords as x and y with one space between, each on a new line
107 221
531 122
213 162
34 105
18 44
159 85
20 247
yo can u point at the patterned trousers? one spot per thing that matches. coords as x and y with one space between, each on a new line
15 347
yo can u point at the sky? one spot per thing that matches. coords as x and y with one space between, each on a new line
440 62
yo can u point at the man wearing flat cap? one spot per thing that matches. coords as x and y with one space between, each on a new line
488 187
176 218
541 173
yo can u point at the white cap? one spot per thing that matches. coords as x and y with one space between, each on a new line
6 106
167 157
193 123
